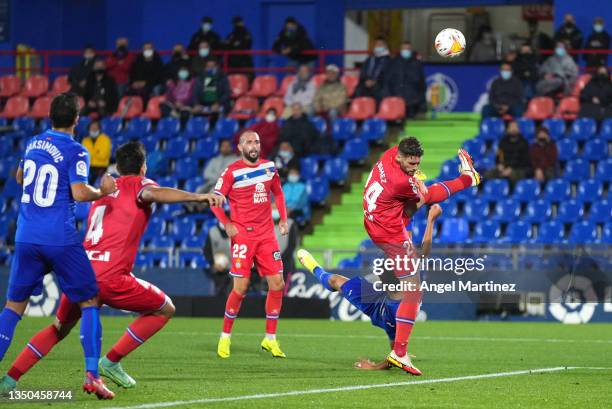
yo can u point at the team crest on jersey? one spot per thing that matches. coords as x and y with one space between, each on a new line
276 255
81 168
260 195
219 183
269 173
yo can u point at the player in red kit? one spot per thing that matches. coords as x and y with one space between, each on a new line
116 225
247 184
392 193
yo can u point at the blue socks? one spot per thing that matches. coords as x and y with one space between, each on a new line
91 338
8 322
323 277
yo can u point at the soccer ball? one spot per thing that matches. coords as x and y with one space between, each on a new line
450 43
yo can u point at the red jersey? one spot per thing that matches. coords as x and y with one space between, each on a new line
116 224
247 188
388 191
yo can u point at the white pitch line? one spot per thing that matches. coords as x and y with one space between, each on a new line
344 388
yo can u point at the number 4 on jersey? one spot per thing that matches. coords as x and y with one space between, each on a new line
95 231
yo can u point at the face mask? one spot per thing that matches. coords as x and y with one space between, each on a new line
506 75
94 134
147 53
206 27
287 155
380 51
541 141
293 178
406 54
203 52
183 74
598 28
275 215
270 117
560 51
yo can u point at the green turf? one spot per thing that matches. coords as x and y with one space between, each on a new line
180 364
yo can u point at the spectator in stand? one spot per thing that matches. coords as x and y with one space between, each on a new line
198 62
407 80
239 40
178 60
596 96
285 159
99 146
146 72
217 165
300 132
543 154
558 73
525 67
218 253
212 93
374 72
101 97
505 95
179 95
483 49
296 196
79 73
569 34
205 33
300 91
287 243
119 64
512 156
331 97
268 130
598 40
539 40
292 41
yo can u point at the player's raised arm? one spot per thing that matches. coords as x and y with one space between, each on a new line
83 192
279 199
158 194
434 212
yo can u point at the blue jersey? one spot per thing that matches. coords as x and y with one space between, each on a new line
52 162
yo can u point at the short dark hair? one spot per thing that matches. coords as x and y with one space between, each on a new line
411 147
130 158
64 110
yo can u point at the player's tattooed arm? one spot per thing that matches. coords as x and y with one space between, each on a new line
157 194
82 192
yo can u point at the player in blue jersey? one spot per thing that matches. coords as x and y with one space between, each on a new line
363 295
54 173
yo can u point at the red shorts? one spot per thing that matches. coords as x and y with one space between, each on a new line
125 292
399 246
264 252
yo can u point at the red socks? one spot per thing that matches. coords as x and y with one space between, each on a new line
232 307
274 301
441 191
404 321
136 334
39 346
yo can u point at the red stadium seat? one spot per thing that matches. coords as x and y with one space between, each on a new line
580 83
392 109
60 85
35 86
287 80
319 79
350 82
362 108
9 85
129 107
15 106
272 102
263 86
239 84
153 111
540 108
568 108
41 107
245 108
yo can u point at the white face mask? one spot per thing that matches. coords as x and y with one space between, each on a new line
270 117
94 134
203 52
206 27
148 53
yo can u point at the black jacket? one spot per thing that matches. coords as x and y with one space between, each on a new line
149 71
406 79
105 88
504 92
222 89
602 89
571 33
301 133
170 70
80 72
525 67
514 154
211 37
239 39
597 41
297 42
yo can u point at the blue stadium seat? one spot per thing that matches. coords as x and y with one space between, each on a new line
12 189
492 129
344 129
192 260
604 170
156 228
162 242
557 190
81 210
111 125
418 229
583 232
6 166
250 122
527 190
556 127
507 210
600 212
138 127
576 170
568 149
336 170
373 129
143 261
150 142
183 227
606 130
550 232
484 162
517 232
589 190
225 128
206 148
193 183
538 211
454 230
197 127
449 208
495 189
319 123
318 190
169 212
160 259
475 147
193 242
527 128
606 235
25 124
583 129
355 150
309 167
82 127
466 195
45 124
449 169
169 126
595 150
570 211
168 181
186 168
176 148
486 231
476 210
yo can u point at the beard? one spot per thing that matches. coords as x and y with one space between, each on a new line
251 156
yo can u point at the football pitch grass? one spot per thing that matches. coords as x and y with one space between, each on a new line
465 364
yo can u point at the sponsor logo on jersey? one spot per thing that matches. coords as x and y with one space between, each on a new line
260 195
81 168
96 255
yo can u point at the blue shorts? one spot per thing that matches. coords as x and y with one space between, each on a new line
72 268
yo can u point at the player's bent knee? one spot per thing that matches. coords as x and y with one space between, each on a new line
92 302
241 285
17 306
63 328
336 281
169 309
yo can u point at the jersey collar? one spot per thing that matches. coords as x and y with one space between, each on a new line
58 133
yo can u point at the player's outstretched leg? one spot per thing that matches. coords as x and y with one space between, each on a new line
313 266
274 301
232 308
